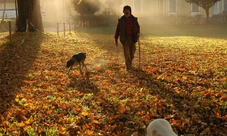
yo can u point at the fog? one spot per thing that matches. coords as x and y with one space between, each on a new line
62 10
55 10
155 11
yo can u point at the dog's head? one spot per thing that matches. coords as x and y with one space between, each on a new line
69 63
160 127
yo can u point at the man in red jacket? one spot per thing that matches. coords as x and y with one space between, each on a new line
129 30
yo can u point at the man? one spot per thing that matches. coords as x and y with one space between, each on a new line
129 30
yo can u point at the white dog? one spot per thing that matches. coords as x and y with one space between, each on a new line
160 127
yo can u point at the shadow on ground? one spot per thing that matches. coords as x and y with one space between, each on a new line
82 83
15 61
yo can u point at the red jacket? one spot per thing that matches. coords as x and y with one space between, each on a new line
127 27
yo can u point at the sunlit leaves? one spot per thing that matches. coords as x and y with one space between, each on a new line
181 80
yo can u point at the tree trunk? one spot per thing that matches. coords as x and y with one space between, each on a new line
207 15
29 9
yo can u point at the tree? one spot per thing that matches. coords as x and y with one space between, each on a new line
29 9
86 7
205 4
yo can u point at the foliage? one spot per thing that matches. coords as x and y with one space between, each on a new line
205 4
97 20
86 7
183 79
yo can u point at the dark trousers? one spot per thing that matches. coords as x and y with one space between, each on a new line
129 50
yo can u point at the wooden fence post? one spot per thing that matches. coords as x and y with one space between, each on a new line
10 38
26 32
27 25
58 29
69 27
64 28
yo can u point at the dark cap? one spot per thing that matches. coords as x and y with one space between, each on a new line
127 7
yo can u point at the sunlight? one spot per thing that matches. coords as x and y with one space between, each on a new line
56 10
179 72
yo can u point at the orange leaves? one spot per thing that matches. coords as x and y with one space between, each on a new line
26 123
147 117
217 115
122 108
39 84
224 97
180 80
184 77
49 112
89 132
22 124
62 130
151 70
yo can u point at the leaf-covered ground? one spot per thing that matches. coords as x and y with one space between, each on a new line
182 79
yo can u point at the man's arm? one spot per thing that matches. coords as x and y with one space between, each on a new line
117 33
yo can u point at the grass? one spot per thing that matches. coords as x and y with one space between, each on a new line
182 78
206 31
4 26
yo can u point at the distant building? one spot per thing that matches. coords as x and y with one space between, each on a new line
62 11
172 7
10 11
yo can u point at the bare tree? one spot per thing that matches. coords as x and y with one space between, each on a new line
86 7
29 9
205 4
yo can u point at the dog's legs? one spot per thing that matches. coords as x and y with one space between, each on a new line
69 69
83 65
80 67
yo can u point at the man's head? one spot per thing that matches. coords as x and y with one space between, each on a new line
127 10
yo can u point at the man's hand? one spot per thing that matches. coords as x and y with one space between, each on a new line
116 42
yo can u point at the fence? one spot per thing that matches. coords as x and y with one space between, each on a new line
26 33
9 26
72 26
155 19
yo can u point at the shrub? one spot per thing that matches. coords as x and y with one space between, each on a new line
86 7
97 20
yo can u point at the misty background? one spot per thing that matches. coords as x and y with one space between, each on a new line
148 12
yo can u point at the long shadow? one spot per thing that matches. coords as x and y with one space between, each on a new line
83 83
183 104
15 61
106 40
